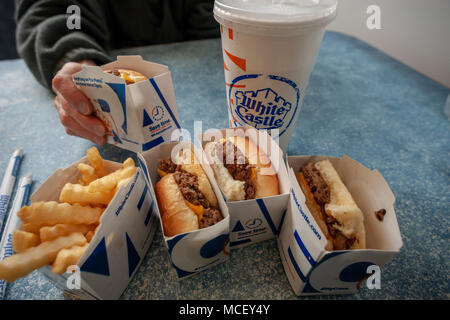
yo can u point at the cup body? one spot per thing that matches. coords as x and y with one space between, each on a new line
267 67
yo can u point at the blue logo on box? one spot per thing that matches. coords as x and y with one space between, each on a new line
253 223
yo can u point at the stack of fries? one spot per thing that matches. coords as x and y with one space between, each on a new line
57 233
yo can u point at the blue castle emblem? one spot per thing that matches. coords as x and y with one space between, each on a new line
262 109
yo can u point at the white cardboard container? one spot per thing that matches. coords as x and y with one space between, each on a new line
198 250
137 116
127 227
311 269
254 220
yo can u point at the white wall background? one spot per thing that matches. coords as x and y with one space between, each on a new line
416 32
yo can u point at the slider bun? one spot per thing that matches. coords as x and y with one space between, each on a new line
187 163
315 210
176 216
342 207
266 178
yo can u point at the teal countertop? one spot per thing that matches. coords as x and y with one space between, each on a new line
359 102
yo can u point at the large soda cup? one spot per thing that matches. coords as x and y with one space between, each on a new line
269 50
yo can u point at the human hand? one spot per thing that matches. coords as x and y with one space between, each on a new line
74 108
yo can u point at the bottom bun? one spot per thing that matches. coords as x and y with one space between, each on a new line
176 216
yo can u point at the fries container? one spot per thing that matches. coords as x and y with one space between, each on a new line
311 269
137 116
127 227
255 220
198 250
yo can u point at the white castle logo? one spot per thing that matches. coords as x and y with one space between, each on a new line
263 109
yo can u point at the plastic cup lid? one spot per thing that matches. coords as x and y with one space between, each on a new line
275 13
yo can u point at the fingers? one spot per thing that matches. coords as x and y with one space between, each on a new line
90 123
74 107
79 125
63 85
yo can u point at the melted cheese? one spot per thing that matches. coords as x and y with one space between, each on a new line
161 173
198 210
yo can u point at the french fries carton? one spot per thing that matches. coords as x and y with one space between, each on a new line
137 116
198 250
255 220
310 268
114 254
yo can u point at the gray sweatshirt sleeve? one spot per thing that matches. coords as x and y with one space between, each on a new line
45 42
200 22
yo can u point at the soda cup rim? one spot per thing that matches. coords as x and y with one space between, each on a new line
285 16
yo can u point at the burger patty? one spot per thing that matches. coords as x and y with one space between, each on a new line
114 72
321 192
237 165
167 165
188 184
210 217
316 184
340 242
189 188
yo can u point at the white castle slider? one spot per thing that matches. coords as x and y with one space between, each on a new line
186 199
332 206
241 169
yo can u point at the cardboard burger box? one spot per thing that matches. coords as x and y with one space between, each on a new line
310 268
127 227
254 220
137 116
198 250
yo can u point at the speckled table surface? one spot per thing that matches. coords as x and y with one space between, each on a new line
359 102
